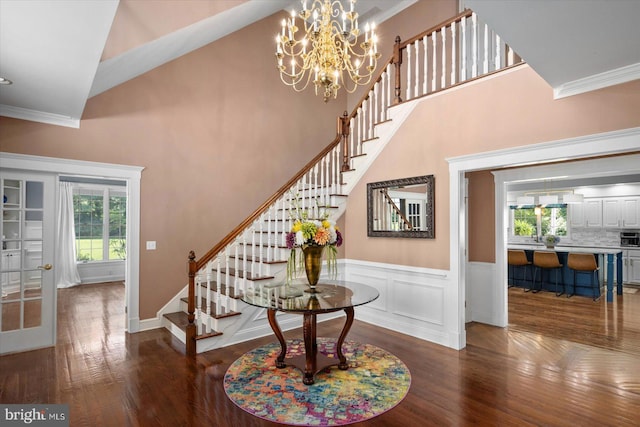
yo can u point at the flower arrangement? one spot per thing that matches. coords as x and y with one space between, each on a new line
551 240
306 231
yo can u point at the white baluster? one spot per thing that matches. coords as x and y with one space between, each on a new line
408 95
253 253
485 63
416 78
316 183
365 134
336 180
474 45
443 77
434 58
425 65
208 300
327 176
227 277
236 267
498 60
376 108
453 53
244 262
389 97
269 234
372 106
198 295
218 282
360 135
383 98
463 49
352 133
261 245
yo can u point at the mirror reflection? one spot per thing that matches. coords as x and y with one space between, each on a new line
401 208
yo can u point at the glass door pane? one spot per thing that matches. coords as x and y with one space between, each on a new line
27 314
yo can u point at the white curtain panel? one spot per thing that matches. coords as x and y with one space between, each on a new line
66 267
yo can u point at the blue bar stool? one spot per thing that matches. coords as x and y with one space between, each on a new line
585 263
518 258
547 260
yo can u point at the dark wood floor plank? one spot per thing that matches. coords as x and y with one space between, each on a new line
560 362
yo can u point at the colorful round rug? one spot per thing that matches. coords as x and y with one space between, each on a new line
375 382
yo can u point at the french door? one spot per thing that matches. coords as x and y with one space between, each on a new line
28 299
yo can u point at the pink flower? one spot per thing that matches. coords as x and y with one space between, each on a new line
322 236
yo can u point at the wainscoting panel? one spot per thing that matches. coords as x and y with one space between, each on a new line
421 302
413 301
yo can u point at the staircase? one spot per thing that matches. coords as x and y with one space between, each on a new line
208 312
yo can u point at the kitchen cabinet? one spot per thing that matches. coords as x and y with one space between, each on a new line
614 212
631 270
621 212
586 214
630 212
611 213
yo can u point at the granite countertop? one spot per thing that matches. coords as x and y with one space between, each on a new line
569 248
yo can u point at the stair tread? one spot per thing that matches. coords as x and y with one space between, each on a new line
203 306
181 320
241 273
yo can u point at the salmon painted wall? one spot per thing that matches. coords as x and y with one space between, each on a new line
217 136
481 218
512 109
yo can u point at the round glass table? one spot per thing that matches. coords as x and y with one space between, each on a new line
331 296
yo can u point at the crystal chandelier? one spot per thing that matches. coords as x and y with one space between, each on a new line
326 50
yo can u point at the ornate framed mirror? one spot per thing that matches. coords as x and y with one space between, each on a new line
401 208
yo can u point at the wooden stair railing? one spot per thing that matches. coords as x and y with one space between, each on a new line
434 62
401 218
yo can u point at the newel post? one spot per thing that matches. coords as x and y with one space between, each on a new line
343 129
191 327
397 62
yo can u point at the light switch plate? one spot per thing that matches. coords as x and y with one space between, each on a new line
151 245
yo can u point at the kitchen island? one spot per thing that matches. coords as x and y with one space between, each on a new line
609 260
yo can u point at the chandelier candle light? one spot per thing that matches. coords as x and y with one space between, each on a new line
326 49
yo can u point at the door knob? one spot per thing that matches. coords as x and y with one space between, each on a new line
45 267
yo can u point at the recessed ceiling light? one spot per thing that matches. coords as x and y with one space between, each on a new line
4 81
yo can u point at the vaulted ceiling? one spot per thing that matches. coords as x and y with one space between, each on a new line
60 53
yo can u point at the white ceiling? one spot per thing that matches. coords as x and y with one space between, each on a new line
51 49
575 46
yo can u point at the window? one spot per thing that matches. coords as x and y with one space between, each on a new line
100 223
551 220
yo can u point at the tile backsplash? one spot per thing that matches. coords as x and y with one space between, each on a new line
595 237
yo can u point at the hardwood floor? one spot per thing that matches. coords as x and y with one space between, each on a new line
561 362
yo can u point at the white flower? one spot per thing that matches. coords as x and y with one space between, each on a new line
299 238
333 236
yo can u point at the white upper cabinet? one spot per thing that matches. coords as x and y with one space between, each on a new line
614 212
586 214
611 213
630 212
593 213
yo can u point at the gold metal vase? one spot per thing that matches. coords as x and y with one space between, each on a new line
313 265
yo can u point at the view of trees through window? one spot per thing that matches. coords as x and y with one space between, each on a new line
100 224
552 221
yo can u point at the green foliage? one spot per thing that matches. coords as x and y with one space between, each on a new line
118 247
523 228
